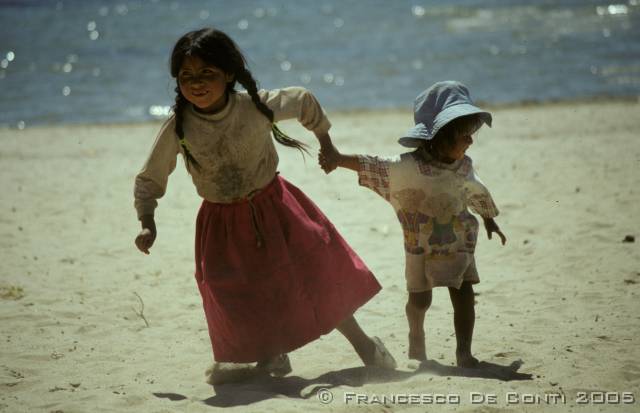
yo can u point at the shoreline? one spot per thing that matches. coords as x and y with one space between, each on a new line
532 103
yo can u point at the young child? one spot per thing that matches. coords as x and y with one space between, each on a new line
430 189
273 272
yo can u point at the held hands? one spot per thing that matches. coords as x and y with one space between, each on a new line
491 227
328 157
147 236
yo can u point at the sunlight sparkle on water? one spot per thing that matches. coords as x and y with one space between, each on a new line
612 9
418 11
285 66
159 111
122 9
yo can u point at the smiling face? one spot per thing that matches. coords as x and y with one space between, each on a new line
203 85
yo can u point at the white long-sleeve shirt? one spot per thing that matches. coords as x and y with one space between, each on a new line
233 147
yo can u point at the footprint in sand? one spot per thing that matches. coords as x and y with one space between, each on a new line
506 354
631 373
10 377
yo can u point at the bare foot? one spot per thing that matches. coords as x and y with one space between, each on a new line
466 360
417 349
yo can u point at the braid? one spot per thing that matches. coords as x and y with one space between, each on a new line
217 49
178 109
245 78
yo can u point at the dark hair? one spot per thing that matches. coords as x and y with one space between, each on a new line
216 48
445 137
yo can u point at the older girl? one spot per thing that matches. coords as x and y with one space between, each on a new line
273 272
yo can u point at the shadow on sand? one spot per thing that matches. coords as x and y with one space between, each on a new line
264 387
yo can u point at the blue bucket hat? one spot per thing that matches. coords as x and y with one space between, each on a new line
437 106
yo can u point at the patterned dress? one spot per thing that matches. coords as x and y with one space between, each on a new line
432 201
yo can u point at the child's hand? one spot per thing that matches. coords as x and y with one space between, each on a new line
491 227
328 158
147 236
145 240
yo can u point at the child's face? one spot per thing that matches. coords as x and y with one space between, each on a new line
460 145
203 85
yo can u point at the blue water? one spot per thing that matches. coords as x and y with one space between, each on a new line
91 61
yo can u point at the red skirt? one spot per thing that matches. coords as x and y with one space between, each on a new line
274 274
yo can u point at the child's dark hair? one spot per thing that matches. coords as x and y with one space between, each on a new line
445 137
216 48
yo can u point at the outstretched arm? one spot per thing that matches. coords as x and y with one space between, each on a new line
491 226
330 158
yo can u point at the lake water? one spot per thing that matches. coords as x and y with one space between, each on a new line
89 61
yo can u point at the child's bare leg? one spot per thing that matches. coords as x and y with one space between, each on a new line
464 317
416 308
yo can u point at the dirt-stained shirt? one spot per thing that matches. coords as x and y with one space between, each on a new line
233 147
432 200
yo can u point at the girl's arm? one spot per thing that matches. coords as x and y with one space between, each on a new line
151 182
330 158
296 103
147 235
373 172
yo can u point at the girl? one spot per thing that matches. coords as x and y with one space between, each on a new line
430 190
273 272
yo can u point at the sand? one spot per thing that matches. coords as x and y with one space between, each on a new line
89 324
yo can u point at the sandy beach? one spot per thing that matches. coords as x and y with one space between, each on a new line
89 324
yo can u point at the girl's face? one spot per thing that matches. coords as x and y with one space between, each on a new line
460 145
203 85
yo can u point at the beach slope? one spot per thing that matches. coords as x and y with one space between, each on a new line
89 324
